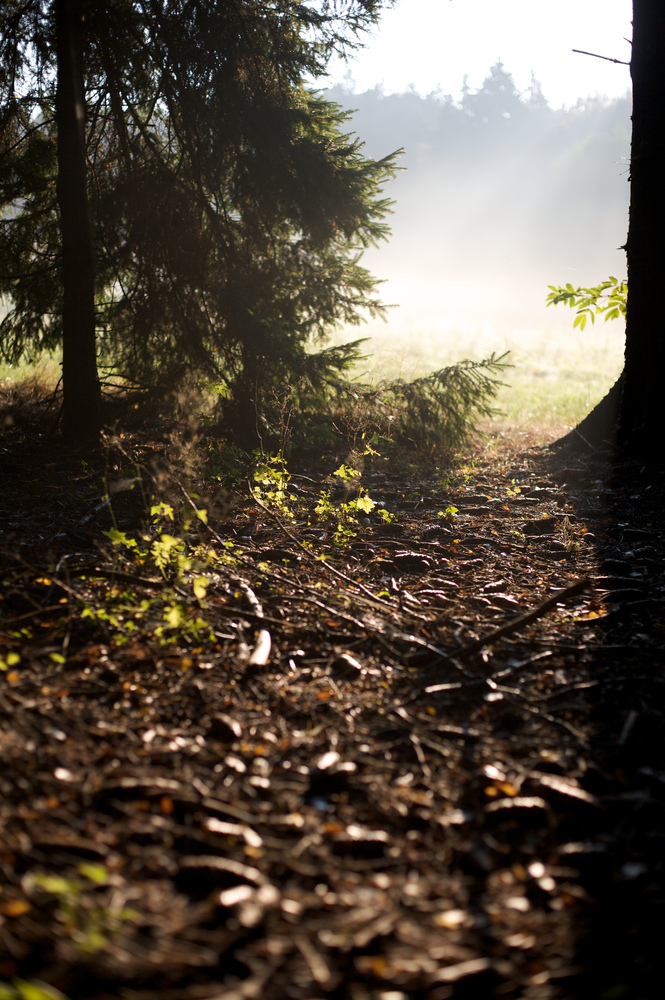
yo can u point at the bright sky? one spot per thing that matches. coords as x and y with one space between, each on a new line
434 43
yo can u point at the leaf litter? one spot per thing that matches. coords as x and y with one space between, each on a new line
419 760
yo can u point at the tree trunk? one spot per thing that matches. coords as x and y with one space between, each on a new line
81 389
642 408
599 428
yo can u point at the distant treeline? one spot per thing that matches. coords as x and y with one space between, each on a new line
503 165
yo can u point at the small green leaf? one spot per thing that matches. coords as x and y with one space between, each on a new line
96 873
162 510
345 472
365 503
120 538
36 990
56 885
173 616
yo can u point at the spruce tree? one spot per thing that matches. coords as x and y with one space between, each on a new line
229 210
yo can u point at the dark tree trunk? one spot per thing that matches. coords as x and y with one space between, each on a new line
642 407
632 415
81 390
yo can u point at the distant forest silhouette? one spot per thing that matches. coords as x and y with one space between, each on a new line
500 185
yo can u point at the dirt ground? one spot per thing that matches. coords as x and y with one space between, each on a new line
420 759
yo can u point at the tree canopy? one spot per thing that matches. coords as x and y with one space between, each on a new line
229 209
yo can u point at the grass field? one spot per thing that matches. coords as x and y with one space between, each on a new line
556 379
47 370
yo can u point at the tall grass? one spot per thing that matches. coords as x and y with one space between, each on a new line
46 371
557 378
558 375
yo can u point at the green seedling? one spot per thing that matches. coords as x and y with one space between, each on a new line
271 487
88 924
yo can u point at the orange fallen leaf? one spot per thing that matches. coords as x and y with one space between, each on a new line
15 908
506 788
333 827
500 788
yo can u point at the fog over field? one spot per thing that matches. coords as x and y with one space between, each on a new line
502 196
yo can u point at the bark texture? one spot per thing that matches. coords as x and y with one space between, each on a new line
81 389
642 407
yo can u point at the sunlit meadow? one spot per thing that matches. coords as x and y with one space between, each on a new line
558 374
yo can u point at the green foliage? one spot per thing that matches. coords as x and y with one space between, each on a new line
362 504
272 485
33 989
9 660
183 563
341 512
88 922
226 462
609 297
440 409
346 473
230 208
178 566
350 503
437 411
121 538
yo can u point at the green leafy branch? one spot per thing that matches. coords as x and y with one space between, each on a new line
271 484
609 297
21 989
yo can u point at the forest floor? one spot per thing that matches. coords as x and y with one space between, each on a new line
331 756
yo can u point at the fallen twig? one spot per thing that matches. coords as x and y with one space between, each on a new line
118 576
517 624
336 572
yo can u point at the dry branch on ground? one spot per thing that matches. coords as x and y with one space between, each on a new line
441 776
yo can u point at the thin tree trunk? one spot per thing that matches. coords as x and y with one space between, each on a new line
81 389
642 407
